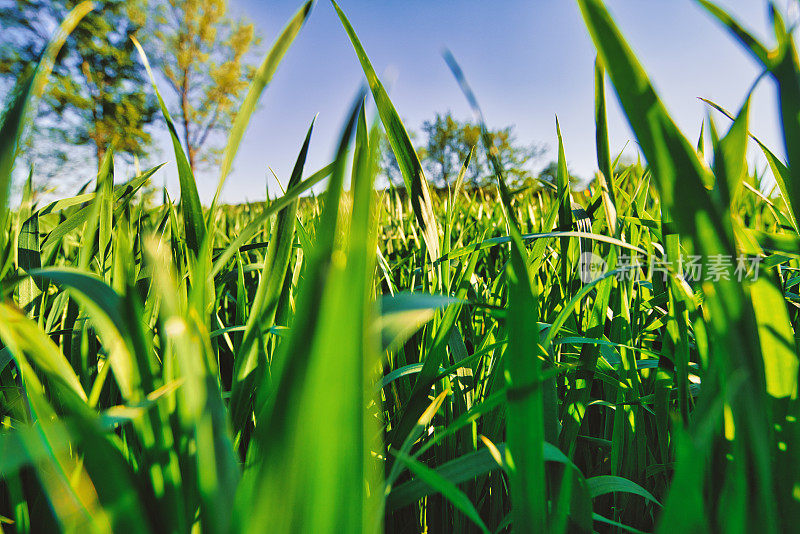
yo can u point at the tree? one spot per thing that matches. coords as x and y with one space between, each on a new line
448 141
95 95
446 147
202 53
514 157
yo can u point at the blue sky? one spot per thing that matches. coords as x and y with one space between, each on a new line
527 62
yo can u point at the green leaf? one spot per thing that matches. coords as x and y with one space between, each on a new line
256 225
444 486
313 450
752 44
525 400
463 469
684 181
601 125
23 336
433 359
121 193
502 240
262 78
776 336
104 306
570 307
407 158
730 155
28 253
405 313
193 223
780 171
265 302
601 519
212 471
782 63
601 485
564 207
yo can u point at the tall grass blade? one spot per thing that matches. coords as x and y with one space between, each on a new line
407 159
193 223
262 78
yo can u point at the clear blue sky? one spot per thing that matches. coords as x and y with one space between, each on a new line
527 62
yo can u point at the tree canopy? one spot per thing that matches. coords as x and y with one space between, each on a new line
96 97
446 142
202 52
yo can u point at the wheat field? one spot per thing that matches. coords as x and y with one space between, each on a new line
344 358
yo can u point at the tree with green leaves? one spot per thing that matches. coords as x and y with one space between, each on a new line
95 98
448 141
446 147
203 54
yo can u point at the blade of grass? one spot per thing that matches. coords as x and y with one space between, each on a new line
407 159
193 223
262 78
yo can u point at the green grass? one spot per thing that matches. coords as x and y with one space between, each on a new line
364 360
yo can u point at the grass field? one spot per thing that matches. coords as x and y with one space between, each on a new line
364 360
